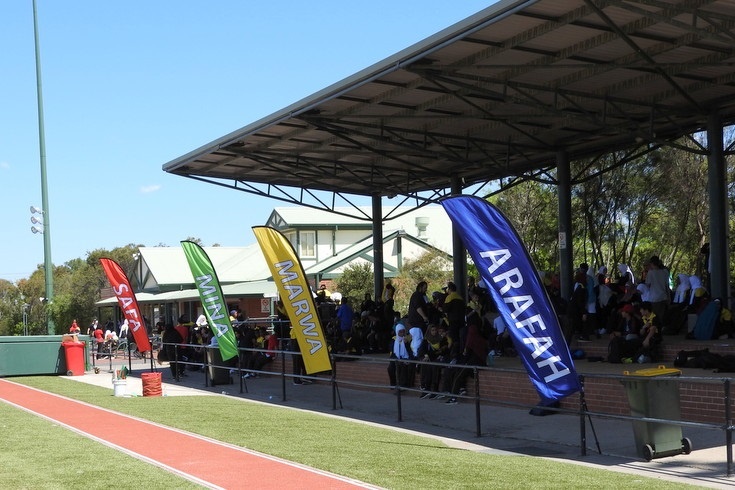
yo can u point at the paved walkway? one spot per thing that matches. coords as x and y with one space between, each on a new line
503 429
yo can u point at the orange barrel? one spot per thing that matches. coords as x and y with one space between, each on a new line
74 354
151 384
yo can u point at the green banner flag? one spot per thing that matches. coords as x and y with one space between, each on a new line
213 300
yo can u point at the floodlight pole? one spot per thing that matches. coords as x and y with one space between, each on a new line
47 264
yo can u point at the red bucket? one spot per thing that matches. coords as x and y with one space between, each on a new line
151 384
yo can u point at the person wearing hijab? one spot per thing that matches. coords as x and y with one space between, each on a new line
417 336
399 370
697 296
643 291
626 272
681 295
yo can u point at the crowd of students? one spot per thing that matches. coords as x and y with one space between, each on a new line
450 335
635 312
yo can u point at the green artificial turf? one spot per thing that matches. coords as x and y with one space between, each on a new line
379 456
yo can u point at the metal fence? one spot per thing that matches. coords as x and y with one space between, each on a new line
213 368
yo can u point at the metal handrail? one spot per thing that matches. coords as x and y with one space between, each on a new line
582 411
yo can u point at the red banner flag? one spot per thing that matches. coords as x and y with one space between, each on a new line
128 303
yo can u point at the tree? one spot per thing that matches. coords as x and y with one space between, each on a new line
32 290
433 266
11 309
532 208
356 280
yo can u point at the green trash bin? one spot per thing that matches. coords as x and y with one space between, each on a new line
653 393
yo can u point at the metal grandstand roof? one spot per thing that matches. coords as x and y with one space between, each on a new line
498 94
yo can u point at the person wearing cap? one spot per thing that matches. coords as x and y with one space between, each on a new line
236 315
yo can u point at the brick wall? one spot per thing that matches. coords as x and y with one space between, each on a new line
700 401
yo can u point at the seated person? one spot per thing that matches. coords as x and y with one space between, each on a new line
650 335
260 359
500 341
624 337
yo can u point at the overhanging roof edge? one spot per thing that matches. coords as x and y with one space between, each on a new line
394 62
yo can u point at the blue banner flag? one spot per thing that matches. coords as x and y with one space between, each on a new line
514 284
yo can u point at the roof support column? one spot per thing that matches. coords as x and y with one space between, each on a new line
719 259
459 254
563 176
378 265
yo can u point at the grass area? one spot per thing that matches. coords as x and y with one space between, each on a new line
40 454
382 457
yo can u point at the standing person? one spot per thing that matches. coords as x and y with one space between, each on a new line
577 308
591 288
281 326
74 327
474 354
388 300
434 348
454 307
470 285
657 280
401 372
385 325
92 327
170 338
345 316
418 313
183 327
297 361
99 338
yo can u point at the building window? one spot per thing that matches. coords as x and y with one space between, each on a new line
307 244
292 238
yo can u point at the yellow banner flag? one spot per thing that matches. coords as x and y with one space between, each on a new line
295 293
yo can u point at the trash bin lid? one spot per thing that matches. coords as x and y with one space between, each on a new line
657 371
72 342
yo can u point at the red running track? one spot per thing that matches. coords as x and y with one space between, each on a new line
244 468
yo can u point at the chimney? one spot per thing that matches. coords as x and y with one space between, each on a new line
422 223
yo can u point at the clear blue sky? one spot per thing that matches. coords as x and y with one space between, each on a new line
130 85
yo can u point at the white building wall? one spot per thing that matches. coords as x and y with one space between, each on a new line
347 238
324 244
